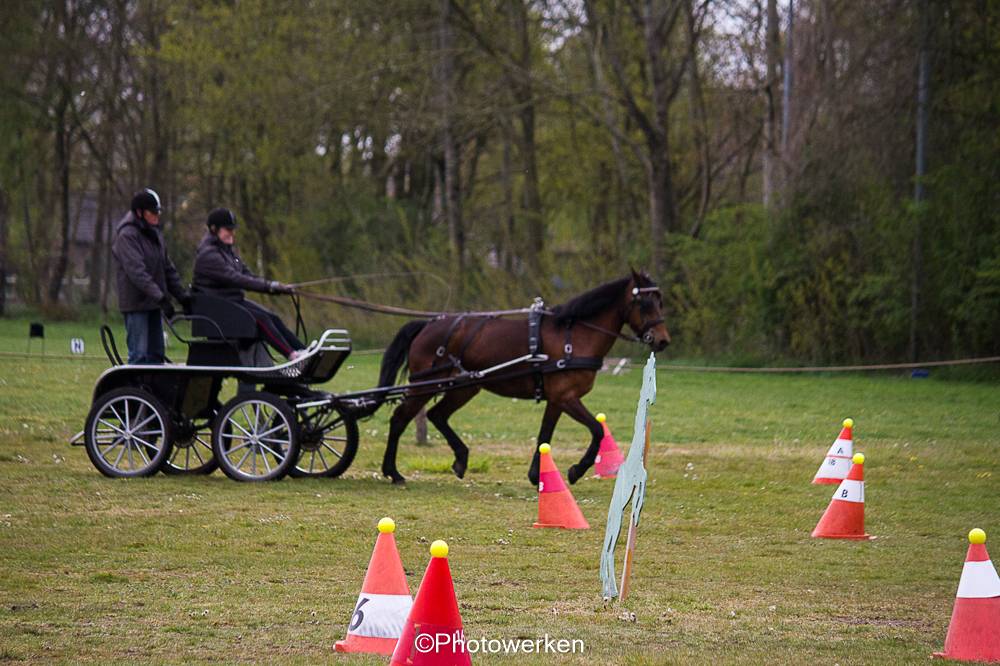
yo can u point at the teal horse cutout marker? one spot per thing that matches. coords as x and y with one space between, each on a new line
630 486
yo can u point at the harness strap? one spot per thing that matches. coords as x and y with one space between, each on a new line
453 362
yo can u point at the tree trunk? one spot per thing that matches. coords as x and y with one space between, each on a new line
771 159
700 122
4 211
524 101
449 147
662 206
505 246
919 194
62 147
29 236
98 248
786 89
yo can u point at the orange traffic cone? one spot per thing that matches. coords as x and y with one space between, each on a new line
433 631
556 506
609 457
974 632
845 517
384 600
838 459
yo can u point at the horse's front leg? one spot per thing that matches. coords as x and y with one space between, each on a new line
574 407
439 415
549 420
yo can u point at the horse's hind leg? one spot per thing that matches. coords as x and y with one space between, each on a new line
401 417
574 407
439 415
549 421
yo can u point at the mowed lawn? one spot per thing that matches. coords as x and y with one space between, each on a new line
171 569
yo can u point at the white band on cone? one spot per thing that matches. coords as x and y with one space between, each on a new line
979 581
850 491
380 615
833 468
842 448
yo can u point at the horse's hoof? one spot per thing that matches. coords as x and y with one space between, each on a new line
460 465
398 480
574 473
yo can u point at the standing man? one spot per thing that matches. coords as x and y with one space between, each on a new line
218 270
145 276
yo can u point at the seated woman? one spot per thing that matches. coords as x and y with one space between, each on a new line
218 270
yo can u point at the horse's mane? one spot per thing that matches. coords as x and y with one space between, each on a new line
590 303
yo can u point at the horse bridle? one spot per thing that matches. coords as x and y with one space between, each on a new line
645 334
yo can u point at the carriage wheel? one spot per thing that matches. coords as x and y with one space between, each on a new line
192 452
128 433
255 437
327 445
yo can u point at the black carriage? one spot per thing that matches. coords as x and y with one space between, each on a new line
149 418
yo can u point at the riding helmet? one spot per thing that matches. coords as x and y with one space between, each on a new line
146 199
221 217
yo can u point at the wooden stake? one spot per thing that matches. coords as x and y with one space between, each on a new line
630 542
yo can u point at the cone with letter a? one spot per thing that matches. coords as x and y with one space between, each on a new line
845 516
838 459
556 505
974 632
609 457
384 600
433 631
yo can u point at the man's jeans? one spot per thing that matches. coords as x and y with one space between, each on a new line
144 333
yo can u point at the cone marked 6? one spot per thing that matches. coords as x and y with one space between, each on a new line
384 601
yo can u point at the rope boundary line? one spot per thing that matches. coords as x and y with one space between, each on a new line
630 364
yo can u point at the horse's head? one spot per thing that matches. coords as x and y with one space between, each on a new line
644 312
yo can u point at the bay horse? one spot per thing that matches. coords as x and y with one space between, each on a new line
579 333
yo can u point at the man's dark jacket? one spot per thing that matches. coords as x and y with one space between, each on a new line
144 271
219 270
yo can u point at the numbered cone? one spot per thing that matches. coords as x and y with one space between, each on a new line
609 457
556 505
838 459
384 601
974 632
433 632
845 516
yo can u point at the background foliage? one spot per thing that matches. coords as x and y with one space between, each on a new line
758 159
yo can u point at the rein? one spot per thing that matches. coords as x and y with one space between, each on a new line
406 312
641 337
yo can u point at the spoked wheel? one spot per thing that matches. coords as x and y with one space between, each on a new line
128 433
192 451
328 441
255 437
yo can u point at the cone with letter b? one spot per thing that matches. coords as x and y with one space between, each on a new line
974 632
609 457
384 600
556 505
845 516
838 459
433 631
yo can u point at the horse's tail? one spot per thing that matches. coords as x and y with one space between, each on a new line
397 352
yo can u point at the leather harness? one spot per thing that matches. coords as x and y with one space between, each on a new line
540 364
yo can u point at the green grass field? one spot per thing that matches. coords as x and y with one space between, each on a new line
171 569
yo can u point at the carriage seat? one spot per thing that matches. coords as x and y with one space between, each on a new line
226 334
